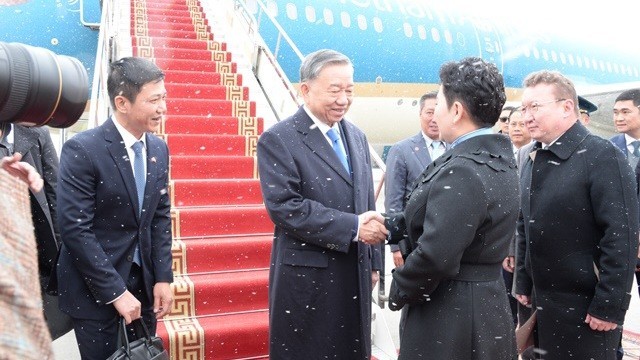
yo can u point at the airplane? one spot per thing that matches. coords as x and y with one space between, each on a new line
398 46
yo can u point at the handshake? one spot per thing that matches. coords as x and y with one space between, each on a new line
374 228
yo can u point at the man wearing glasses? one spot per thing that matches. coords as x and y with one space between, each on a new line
577 233
503 120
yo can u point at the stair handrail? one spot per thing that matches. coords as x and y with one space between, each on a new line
253 25
99 107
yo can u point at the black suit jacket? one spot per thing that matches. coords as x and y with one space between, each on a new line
37 149
100 222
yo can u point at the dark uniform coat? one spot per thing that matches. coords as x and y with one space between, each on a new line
577 242
459 221
320 279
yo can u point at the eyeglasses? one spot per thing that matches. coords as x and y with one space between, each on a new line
504 119
534 107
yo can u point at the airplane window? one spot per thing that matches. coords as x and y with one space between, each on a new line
601 63
579 60
563 59
571 59
310 12
377 24
422 32
408 32
616 68
362 22
527 51
435 34
536 53
461 40
609 68
345 19
594 64
545 55
447 37
327 14
292 11
554 56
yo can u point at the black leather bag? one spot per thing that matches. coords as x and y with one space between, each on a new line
145 348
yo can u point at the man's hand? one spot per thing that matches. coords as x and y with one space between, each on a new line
509 263
524 300
375 277
128 306
162 299
599 325
371 228
23 171
397 258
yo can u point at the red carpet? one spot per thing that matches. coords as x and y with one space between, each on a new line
221 231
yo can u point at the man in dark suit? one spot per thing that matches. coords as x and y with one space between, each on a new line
458 222
407 159
316 178
113 213
577 233
36 148
626 118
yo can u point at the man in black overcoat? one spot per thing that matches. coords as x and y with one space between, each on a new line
578 227
323 264
459 220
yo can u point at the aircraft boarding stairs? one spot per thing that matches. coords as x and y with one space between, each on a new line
221 231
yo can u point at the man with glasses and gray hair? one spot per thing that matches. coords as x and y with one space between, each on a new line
577 233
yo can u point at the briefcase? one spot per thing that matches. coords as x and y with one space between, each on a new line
145 348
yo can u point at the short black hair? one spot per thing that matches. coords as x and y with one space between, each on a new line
128 75
631 94
478 85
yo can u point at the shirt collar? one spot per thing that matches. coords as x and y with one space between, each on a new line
127 137
319 124
469 135
628 139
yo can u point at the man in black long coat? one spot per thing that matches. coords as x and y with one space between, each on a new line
459 221
322 263
578 228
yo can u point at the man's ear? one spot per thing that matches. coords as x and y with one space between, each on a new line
304 89
122 104
458 110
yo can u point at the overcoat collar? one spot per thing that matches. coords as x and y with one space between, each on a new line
568 142
313 138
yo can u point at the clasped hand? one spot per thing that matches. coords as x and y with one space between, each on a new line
371 229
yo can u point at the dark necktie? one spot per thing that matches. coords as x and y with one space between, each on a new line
141 179
336 142
636 148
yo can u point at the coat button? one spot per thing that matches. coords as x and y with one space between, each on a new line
129 258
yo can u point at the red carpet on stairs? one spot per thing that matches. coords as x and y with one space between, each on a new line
221 231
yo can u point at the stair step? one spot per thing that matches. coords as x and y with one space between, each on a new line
220 293
195 65
201 144
168 26
209 107
167 33
202 78
233 336
189 192
209 254
175 18
173 43
223 220
208 55
164 6
232 125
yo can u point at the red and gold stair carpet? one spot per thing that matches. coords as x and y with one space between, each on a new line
221 231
